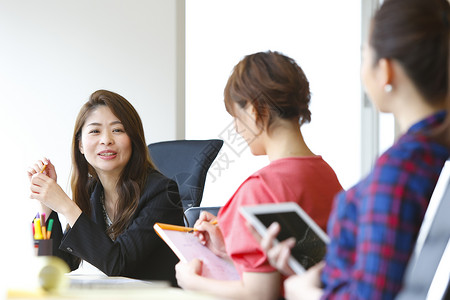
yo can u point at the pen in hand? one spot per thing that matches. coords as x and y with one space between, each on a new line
214 222
43 169
181 228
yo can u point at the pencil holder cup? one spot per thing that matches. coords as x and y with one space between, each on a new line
43 247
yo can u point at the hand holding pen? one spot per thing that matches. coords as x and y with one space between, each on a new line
209 234
43 166
44 188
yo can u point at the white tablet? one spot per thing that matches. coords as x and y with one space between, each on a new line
311 240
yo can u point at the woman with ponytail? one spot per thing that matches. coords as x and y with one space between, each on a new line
374 225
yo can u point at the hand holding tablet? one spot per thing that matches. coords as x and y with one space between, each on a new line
310 240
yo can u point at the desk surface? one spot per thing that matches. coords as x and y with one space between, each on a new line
162 293
100 287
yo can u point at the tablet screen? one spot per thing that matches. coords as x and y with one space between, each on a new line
309 248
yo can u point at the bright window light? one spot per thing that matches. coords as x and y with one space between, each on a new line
324 37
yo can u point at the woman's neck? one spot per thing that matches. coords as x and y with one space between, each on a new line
407 103
110 194
414 108
285 140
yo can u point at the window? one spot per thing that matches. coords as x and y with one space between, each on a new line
324 37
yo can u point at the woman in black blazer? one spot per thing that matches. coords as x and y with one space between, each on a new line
117 192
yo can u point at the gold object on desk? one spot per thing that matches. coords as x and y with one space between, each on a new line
52 272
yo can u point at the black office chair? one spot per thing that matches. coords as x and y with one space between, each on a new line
186 162
193 213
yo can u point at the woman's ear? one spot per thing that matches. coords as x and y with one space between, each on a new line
251 110
385 72
80 146
258 122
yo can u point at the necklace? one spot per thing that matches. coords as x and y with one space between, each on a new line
108 221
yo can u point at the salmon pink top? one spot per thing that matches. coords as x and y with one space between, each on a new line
308 181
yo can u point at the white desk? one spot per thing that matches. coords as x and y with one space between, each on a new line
100 287
164 293
90 284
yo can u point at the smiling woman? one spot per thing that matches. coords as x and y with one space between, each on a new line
117 195
104 142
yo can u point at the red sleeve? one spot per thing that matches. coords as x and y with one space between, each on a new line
241 246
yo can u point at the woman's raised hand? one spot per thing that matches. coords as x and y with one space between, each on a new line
43 165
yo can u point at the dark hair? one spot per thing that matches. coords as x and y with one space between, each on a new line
134 174
274 84
415 33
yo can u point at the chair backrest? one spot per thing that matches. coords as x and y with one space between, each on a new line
186 162
428 272
193 213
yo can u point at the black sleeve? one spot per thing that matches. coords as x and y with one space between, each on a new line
57 236
137 252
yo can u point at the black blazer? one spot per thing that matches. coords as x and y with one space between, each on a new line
137 252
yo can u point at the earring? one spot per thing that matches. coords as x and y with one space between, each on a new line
388 88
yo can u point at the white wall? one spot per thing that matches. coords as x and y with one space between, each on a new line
322 36
53 55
